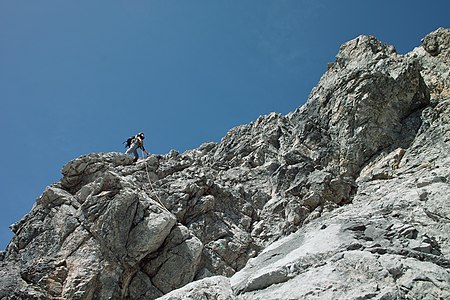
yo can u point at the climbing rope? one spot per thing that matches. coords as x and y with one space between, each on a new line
153 189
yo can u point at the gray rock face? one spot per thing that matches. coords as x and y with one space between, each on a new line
434 57
345 198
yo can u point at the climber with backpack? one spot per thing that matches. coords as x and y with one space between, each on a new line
135 142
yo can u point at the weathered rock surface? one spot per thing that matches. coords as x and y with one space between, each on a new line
345 198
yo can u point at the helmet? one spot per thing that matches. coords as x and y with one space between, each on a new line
141 134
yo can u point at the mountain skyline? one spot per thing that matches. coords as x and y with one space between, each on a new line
80 77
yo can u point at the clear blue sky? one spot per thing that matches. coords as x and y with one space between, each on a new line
80 76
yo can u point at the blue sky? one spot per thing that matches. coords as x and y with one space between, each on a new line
78 77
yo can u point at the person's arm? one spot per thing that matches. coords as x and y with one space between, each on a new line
143 149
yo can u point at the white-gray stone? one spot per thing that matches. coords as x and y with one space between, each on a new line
347 197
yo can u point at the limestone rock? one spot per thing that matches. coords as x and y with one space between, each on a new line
84 245
434 57
344 198
177 263
216 287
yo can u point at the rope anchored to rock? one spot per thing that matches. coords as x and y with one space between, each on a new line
153 189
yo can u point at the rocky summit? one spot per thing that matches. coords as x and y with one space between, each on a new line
347 197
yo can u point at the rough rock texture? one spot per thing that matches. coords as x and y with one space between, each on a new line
345 198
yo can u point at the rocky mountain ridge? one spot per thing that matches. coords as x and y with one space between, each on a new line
344 198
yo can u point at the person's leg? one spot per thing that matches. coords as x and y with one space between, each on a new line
136 155
133 150
128 152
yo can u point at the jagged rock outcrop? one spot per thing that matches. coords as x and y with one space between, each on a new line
344 198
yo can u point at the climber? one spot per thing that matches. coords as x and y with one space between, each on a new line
133 143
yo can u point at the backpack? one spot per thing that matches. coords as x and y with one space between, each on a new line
128 142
